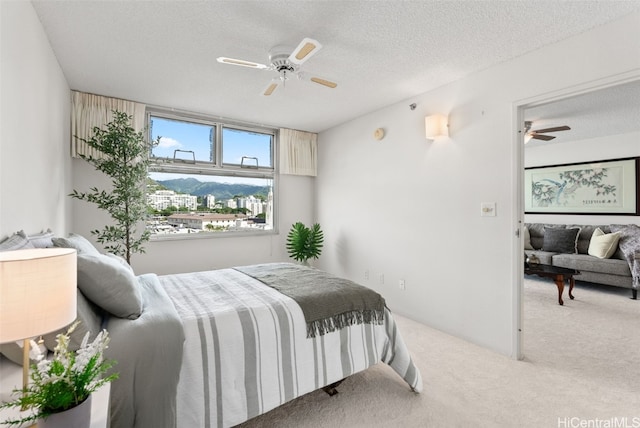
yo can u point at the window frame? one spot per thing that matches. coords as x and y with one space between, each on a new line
217 167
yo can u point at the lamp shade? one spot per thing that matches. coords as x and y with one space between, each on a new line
436 125
37 292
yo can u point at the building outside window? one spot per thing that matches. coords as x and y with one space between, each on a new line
209 177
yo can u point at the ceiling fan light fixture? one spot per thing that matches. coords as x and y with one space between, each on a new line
285 63
539 134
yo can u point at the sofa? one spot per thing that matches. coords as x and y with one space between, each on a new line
568 246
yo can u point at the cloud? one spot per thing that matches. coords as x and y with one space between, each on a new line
169 143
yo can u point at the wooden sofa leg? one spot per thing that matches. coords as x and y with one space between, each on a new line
634 294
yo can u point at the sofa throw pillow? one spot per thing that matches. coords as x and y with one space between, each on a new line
603 245
527 239
561 240
79 242
110 285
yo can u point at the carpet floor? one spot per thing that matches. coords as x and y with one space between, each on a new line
581 368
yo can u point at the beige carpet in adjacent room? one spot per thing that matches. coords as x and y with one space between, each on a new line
581 366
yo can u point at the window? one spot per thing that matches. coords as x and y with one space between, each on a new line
209 177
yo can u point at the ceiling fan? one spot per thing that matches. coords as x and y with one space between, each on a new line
538 134
286 63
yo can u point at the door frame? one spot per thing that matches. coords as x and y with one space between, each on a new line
518 109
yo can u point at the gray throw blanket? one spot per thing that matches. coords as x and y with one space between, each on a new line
328 302
630 245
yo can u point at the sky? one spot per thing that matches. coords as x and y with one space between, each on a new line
179 135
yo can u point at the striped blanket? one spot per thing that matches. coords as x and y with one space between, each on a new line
246 349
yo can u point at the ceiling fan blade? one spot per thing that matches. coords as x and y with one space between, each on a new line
556 129
273 85
241 62
305 50
542 137
324 82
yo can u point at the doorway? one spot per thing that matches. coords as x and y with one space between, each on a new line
592 111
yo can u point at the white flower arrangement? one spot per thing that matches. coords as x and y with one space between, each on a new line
64 381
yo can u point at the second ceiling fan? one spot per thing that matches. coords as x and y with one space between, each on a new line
286 63
538 134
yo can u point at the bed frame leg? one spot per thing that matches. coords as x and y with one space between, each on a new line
634 294
331 389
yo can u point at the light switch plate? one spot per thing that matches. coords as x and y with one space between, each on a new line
488 209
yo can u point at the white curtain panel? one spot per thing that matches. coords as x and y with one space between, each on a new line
298 152
89 110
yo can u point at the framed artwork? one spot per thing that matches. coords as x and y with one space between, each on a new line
608 187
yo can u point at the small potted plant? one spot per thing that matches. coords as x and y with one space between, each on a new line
64 383
304 243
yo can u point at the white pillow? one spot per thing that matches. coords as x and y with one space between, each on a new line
603 245
527 239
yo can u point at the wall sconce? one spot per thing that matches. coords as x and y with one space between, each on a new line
436 125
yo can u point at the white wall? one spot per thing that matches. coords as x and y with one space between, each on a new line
35 173
295 202
408 208
593 149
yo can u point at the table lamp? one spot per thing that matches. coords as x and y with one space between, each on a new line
37 295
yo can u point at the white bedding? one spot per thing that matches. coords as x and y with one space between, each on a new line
246 350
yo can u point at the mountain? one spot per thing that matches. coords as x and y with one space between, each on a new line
221 191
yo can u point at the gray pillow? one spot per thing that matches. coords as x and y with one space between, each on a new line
90 317
17 241
12 351
120 260
527 239
42 240
561 240
79 242
110 285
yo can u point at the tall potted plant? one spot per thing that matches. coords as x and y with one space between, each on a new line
304 243
125 158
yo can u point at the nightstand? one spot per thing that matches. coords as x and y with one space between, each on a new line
11 378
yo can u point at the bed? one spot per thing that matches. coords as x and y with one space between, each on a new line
217 348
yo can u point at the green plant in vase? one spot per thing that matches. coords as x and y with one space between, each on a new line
304 242
64 381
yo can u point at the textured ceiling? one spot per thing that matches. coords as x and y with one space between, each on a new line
611 111
380 52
